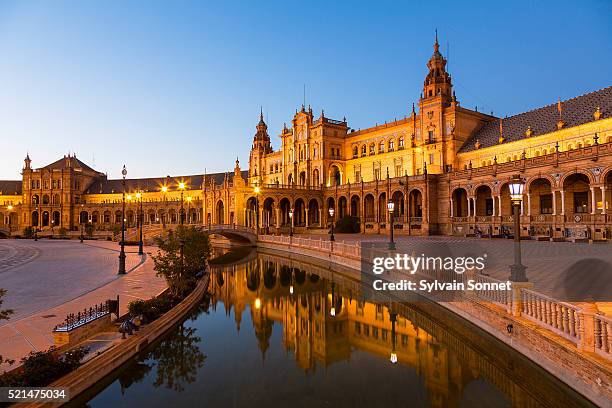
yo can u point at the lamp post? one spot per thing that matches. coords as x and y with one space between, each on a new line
140 222
182 188
122 252
257 190
331 214
517 271
391 209
37 224
81 222
291 222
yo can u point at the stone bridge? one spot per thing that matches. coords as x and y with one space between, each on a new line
233 232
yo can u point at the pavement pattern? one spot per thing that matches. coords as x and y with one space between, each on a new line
55 278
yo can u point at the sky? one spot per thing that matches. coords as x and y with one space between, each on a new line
176 87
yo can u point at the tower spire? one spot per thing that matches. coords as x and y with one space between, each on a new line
436 45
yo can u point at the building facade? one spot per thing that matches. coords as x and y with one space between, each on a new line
445 167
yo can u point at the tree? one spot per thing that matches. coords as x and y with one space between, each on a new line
196 249
4 315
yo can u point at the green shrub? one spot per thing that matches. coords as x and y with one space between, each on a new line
89 229
41 368
348 224
63 232
152 308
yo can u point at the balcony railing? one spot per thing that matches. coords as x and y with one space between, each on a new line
560 317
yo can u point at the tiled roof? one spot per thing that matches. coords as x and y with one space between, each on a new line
74 162
574 112
10 187
192 182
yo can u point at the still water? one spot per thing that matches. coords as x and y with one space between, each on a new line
283 331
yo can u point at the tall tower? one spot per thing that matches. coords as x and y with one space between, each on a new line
261 147
437 82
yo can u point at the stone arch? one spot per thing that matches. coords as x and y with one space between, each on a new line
330 203
45 219
342 207
578 198
355 207
35 220
415 203
369 209
284 205
540 195
382 207
484 200
251 211
220 212
335 174
84 217
299 213
460 202
313 212
529 182
269 213
588 174
95 217
45 199
398 205
316 178
302 178
106 217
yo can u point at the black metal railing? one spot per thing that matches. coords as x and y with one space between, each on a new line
73 320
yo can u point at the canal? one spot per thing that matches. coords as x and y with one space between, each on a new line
280 330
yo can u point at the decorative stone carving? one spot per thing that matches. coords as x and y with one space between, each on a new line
597 113
597 171
529 131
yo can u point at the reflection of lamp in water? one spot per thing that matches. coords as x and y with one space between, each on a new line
291 289
332 310
393 316
257 303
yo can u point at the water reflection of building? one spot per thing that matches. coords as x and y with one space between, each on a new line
323 320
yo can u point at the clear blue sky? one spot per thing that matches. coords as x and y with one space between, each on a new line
175 87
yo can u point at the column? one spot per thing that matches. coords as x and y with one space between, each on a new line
562 202
469 202
603 199
522 207
306 210
494 205
451 207
320 217
277 217
593 201
528 204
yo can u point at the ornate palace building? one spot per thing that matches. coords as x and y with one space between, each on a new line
446 168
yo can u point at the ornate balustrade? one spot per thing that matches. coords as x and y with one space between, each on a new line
560 317
603 336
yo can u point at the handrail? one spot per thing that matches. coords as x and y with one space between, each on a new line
560 317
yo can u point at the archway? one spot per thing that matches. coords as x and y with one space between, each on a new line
220 213
285 206
335 175
540 195
106 217
355 206
484 201
368 203
341 207
302 178
251 212
313 212
94 217
45 218
577 194
316 182
35 218
415 202
460 203
299 213
398 206
269 215
56 218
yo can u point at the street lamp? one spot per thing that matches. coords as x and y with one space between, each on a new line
331 214
81 222
122 252
182 188
391 209
517 271
140 222
291 222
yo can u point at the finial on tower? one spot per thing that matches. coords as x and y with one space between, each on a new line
436 45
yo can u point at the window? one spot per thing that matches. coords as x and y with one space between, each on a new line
489 206
381 146
357 327
357 176
546 204
391 145
354 152
401 143
430 137
431 158
398 170
363 150
377 174
372 149
581 202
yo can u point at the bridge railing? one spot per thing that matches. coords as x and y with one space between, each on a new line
235 227
603 336
352 251
560 317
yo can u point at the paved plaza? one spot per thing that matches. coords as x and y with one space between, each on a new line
46 280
